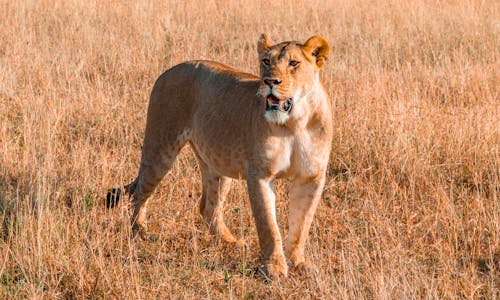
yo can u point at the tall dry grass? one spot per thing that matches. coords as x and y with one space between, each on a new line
411 207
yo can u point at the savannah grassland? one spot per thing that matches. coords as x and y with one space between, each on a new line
411 206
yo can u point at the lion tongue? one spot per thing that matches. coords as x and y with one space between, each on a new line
273 100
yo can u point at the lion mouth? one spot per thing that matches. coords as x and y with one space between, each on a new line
274 103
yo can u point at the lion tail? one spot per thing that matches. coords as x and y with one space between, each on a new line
114 195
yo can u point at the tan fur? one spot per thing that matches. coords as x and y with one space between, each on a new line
221 112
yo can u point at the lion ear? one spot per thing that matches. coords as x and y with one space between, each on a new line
264 43
318 48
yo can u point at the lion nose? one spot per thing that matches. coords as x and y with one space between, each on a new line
271 81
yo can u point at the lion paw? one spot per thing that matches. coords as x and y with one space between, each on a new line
305 268
140 230
273 271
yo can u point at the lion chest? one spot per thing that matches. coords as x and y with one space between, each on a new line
277 154
298 156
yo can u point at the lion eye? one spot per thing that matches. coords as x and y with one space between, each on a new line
266 62
294 63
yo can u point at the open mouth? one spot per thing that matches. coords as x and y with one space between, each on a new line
273 103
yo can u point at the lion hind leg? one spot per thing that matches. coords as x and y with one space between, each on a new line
156 161
215 190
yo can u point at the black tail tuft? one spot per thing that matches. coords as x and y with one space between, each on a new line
113 197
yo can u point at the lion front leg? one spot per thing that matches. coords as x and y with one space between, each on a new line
262 200
304 198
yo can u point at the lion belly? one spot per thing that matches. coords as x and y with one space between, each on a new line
229 163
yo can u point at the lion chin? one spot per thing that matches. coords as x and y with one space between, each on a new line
276 117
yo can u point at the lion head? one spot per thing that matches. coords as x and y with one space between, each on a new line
289 73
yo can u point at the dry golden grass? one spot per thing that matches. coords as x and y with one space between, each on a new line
411 208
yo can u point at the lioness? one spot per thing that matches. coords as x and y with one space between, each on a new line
243 126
